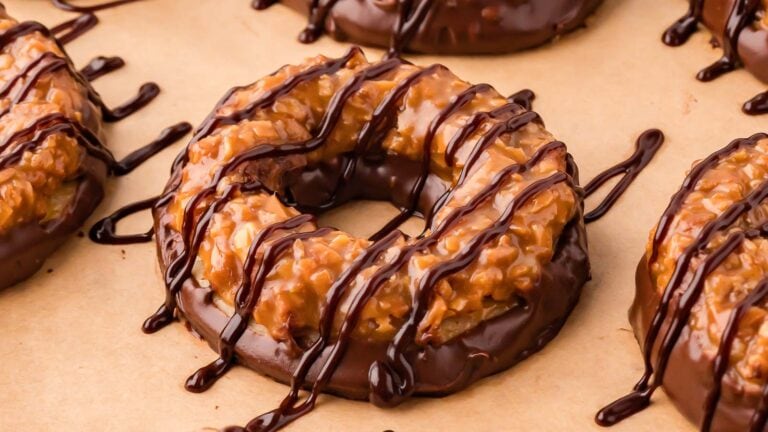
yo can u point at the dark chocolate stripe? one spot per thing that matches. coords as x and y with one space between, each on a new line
510 125
472 125
757 105
76 27
524 98
100 66
167 137
318 12
382 120
105 230
68 6
646 147
409 19
212 122
679 32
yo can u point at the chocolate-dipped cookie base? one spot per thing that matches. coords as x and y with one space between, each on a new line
442 27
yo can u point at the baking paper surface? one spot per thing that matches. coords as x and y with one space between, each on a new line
73 354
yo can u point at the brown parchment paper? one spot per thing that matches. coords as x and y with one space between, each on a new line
73 357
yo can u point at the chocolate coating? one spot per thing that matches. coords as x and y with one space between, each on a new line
457 27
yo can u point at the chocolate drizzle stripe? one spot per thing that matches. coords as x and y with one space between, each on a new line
524 98
100 66
519 120
679 32
246 299
646 147
167 137
757 105
410 17
68 6
471 126
383 118
105 230
643 390
318 12
513 124
76 27
212 122
456 104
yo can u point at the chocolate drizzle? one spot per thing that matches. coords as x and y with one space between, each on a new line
67 6
742 14
646 147
100 66
653 376
524 98
757 105
76 27
409 18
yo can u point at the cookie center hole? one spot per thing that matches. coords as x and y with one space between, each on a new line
364 218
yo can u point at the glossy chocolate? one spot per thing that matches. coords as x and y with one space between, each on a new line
646 146
438 27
